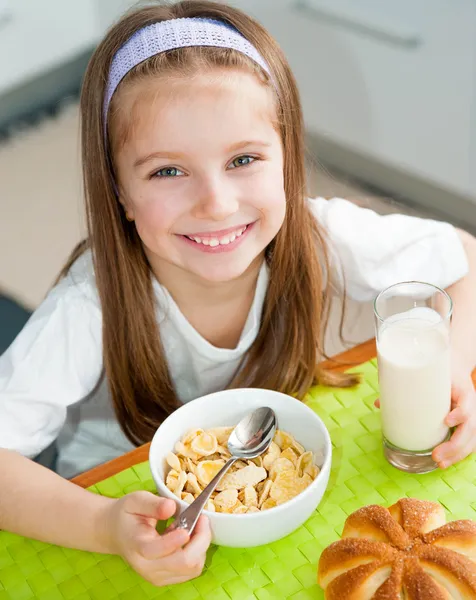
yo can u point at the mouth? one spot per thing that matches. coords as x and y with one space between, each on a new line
219 241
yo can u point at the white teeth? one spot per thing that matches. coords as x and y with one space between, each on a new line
225 240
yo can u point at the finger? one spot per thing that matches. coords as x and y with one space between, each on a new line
163 578
456 417
192 557
148 505
160 546
445 452
462 453
196 549
457 453
377 403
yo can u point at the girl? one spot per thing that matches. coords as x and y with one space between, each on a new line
205 267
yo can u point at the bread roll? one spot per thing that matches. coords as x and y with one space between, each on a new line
406 552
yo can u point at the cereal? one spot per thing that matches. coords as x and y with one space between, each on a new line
193 485
272 454
305 461
207 469
250 486
172 479
312 471
258 461
181 481
225 501
265 492
290 454
280 465
249 475
174 462
187 497
250 496
287 485
269 503
240 509
222 434
204 444
191 435
189 465
283 440
185 451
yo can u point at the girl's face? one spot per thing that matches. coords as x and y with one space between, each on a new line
201 174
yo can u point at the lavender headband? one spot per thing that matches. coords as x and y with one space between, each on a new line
170 35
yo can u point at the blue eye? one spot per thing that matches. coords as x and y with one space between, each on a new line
242 161
167 172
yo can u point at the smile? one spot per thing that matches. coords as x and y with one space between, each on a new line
218 241
223 240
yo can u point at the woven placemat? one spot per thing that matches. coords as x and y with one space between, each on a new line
284 569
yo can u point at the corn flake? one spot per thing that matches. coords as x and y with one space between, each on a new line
290 454
221 434
204 444
271 455
174 462
207 469
227 500
280 465
249 475
187 497
262 483
250 496
269 503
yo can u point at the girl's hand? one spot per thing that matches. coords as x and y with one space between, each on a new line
463 417
162 560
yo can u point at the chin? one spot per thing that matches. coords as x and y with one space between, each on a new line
223 273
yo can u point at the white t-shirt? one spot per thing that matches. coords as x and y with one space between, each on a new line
51 384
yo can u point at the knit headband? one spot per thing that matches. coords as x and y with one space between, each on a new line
170 35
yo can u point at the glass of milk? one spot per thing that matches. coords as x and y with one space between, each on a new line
413 351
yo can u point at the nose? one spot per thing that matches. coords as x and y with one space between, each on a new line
216 200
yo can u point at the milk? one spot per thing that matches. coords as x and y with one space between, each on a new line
415 379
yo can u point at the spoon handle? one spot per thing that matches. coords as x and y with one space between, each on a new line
188 519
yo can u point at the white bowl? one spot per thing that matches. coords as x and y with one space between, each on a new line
226 409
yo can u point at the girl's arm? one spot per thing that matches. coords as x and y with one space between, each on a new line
463 329
37 503
463 345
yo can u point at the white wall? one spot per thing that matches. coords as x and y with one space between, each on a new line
411 106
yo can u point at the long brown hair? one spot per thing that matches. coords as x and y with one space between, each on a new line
289 344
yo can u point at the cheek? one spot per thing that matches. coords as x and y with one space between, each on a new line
154 221
271 200
155 214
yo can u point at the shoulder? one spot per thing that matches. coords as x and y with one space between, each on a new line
79 284
374 251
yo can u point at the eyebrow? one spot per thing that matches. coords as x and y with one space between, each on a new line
177 156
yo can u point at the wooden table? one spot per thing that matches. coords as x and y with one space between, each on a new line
353 357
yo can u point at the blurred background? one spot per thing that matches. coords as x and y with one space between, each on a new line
389 95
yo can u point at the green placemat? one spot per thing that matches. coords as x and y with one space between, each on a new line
284 569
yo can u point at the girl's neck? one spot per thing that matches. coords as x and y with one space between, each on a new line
217 310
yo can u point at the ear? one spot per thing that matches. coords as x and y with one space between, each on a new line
127 208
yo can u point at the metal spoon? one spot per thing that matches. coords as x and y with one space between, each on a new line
250 438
